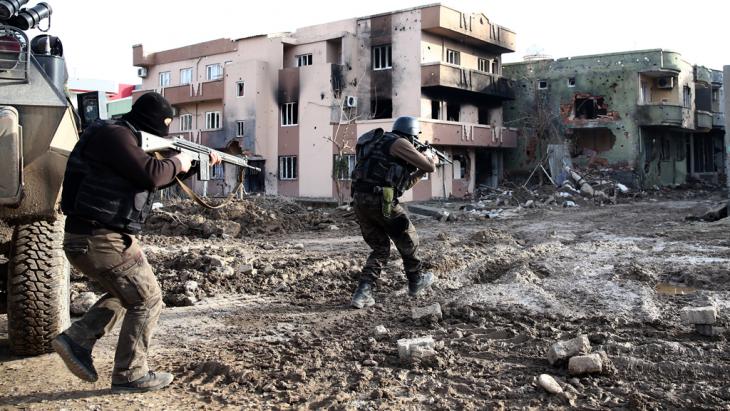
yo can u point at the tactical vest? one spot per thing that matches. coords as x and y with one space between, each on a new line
93 191
376 167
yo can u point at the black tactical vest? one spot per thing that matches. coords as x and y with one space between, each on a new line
375 167
93 191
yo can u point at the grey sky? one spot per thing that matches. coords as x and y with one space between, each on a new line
98 34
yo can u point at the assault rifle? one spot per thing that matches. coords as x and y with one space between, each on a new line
199 153
423 147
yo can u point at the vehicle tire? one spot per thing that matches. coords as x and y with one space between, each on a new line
38 287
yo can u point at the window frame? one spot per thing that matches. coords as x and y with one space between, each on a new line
289 114
208 116
186 70
384 60
167 76
208 71
453 57
484 65
291 167
305 58
183 118
347 175
240 128
240 89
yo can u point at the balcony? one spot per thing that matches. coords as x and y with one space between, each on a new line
473 29
703 120
703 75
718 120
194 93
445 133
661 115
472 82
717 77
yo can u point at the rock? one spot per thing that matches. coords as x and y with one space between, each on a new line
530 204
189 301
370 363
699 315
268 246
299 246
381 331
81 304
562 350
433 310
268 269
191 287
585 364
333 228
437 213
549 384
246 269
420 352
708 330
570 204
622 188
406 346
216 261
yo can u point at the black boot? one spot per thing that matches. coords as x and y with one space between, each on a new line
363 296
417 282
77 358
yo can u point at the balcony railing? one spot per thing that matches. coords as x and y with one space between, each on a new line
194 93
468 80
703 74
703 120
661 115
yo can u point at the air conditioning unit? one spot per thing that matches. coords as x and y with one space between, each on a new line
351 101
665 82
142 72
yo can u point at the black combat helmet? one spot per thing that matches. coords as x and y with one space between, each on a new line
407 125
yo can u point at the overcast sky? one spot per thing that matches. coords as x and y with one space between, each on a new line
98 34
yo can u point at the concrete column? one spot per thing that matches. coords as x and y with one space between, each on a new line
726 89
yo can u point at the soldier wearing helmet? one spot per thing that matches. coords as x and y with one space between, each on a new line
387 165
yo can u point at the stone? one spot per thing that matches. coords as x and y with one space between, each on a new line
370 363
81 304
530 204
433 310
708 330
549 384
563 350
420 352
406 346
381 331
268 269
246 269
333 228
585 364
699 315
191 287
299 246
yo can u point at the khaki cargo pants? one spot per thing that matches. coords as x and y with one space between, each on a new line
116 261
378 231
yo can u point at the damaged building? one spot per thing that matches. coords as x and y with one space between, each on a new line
647 117
296 102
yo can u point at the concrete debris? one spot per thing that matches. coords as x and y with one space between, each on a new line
381 331
432 311
81 304
246 269
421 352
698 315
708 330
407 345
549 384
191 287
570 204
437 213
585 364
370 363
563 350
299 246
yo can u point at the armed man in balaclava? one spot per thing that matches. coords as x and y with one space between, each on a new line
388 164
107 194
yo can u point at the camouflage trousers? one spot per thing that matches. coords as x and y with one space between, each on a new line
116 261
378 231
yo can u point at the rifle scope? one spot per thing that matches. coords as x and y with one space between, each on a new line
31 18
8 8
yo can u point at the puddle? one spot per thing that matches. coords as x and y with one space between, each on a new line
670 289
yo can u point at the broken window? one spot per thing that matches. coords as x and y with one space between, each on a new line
483 115
240 89
240 128
343 166
571 81
288 168
289 114
483 65
381 108
461 167
213 120
453 57
590 108
437 109
382 57
687 97
186 122
452 111
304 60
542 84
495 66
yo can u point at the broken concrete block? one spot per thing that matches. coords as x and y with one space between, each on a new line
708 330
381 331
406 346
562 350
81 304
246 269
437 213
699 315
549 384
433 310
420 352
585 364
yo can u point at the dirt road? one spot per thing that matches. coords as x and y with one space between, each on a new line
271 327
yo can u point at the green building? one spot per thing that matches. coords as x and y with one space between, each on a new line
647 117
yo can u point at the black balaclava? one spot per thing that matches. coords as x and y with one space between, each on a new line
149 113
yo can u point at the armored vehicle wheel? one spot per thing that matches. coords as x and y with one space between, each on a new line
38 287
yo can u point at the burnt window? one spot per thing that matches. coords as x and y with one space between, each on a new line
382 57
571 81
436 109
452 111
590 108
666 153
381 108
483 115
542 84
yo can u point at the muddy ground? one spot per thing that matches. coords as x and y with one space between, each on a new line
270 325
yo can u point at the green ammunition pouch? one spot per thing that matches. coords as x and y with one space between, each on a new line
387 202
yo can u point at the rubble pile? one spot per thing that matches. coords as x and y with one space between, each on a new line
256 215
